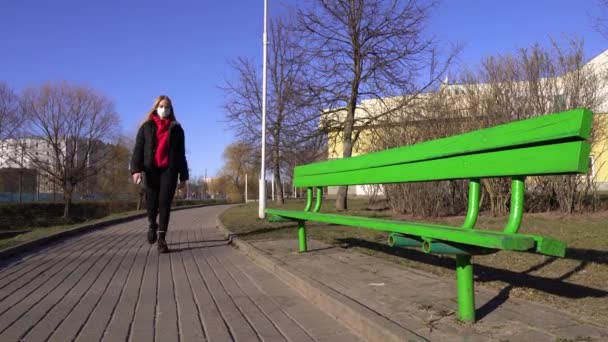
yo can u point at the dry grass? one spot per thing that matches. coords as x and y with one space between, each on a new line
577 283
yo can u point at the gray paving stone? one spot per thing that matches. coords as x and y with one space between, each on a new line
110 285
419 301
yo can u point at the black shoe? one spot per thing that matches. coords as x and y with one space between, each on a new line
151 235
162 246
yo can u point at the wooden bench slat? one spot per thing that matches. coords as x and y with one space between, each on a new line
474 237
569 157
565 126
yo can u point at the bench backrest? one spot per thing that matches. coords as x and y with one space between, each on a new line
550 144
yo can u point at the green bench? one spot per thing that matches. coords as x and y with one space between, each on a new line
546 145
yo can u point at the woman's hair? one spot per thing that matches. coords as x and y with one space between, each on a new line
156 102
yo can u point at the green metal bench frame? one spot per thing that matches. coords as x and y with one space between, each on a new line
546 145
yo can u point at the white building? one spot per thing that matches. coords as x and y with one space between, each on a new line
20 153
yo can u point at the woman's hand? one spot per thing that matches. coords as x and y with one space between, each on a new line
137 177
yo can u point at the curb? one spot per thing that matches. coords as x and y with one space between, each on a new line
366 323
86 227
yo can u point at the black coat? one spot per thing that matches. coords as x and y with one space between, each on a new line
145 148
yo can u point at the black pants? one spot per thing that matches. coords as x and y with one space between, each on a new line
160 188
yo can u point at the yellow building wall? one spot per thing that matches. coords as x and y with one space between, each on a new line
335 147
599 151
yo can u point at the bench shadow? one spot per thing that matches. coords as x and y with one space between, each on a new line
555 286
590 255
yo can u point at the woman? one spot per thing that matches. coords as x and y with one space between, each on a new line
160 153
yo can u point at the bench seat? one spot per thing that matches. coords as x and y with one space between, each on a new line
473 237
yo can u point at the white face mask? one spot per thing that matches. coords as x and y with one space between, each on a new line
163 112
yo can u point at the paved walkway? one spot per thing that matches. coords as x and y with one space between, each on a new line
110 285
398 303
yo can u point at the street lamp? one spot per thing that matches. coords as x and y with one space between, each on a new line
262 201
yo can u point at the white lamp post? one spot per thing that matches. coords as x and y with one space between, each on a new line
262 191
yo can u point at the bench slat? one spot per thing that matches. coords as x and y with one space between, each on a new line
474 237
565 126
488 239
570 157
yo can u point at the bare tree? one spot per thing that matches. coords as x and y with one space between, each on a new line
531 82
112 180
239 160
367 49
74 124
222 187
537 81
11 119
290 121
310 151
600 19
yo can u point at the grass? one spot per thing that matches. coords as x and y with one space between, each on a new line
576 283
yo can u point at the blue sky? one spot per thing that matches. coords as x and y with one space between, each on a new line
134 50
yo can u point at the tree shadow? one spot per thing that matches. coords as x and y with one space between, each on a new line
264 230
199 241
320 249
182 249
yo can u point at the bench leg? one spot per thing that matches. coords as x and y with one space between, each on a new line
302 236
466 291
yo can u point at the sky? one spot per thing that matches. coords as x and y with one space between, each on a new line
134 50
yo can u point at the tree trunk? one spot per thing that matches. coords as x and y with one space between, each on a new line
341 199
278 188
341 203
67 209
347 143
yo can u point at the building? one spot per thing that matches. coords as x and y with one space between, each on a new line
37 158
18 154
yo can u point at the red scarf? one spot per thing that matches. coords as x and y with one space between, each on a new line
161 157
